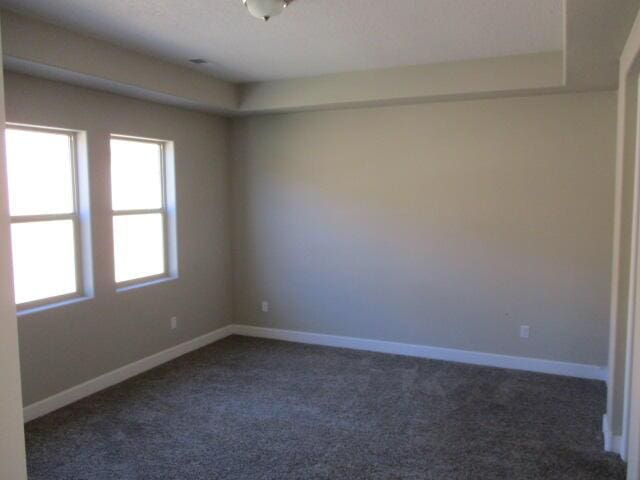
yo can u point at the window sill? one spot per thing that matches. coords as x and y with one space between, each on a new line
145 283
51 306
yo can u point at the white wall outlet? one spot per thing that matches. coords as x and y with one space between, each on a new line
265 306
174 323
524 331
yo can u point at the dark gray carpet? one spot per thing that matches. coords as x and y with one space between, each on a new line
260 409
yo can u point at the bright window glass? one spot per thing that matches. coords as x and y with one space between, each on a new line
139 246
136 175
44 259
44 221
139 211
40 168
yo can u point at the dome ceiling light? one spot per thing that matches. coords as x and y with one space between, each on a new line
265 9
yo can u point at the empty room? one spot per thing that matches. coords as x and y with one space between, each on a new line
320 239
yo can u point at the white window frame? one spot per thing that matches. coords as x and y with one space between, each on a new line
81 287
166 211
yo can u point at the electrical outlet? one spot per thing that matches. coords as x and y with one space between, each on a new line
174 323
524 331
265 306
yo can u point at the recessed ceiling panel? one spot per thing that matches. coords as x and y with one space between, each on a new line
311 37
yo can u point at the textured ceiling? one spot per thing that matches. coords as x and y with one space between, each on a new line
311 37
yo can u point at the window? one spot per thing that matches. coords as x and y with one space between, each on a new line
45 224
141 227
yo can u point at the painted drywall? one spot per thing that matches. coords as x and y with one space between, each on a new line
12 450
622 239
627 330
32 44
623 392
625 173
62 347
533 73
50 51
595 34
444 224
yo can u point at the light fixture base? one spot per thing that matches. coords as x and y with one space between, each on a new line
265 9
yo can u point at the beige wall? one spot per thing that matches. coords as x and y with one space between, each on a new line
62 347
12 452
502 76
446 224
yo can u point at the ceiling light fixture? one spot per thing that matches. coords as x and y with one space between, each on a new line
265 9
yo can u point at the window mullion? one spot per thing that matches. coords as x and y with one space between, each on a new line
44 218
138 212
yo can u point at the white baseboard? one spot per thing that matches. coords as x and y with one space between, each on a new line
592 372
114 377
612 443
